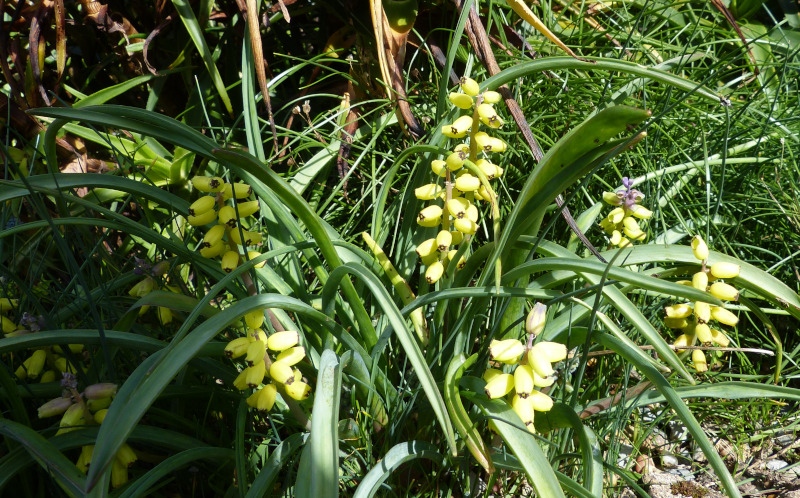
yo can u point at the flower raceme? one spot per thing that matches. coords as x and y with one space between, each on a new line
695 320
533 369
454 207
621 223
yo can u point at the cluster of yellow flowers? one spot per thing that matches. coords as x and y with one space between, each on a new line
86 409
149 284
620 224
229 234
533 370
282 371
458 214
693 318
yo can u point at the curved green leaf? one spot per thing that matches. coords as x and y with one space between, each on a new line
394 458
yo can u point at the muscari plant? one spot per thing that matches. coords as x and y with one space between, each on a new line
474 363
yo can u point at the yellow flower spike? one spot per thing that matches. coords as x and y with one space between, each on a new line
724 316
428 192
227 216
462 261
434 272
461 100
100 415
281 372
248 208
459 128
523 381
703 333
616 237
702 311
255 352
540 401
230 260
263 399
506 351
467 183
202 219
250 238
641 212
612 198
499 385
724 291
202 205
242 191
524 408
678 311
298 390
430 216
237 347
543 354
439 167
35 364
280 341
457 207
208 184
699 360
126 455
457 237
119 474
492 120
443 240
536 319
699 248
240 382
255 374
720 338
48 376
254 319
164 315
215 249
426 248
725 270
141 289
616 215
466 226
456 160
675 323
72 419
700 280
292 356
470 86
681 341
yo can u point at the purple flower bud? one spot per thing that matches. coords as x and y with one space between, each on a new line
68 381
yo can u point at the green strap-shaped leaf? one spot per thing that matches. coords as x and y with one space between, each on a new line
262 484
394 458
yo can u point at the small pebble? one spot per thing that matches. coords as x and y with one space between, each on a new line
774 465
785 440
669 461
699 456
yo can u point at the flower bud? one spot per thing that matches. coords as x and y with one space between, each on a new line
248 208
7 304
241 190
164 315
612 198
616 215
678 311
202 205
125 455
54 407
489 169
506 351
428 192
553 351
616 238
524 408
426 248
439 167
434 272
214 249
631 228
699 248
702 311
703 333
499 385
254 319
263 399
700 280
470 86
675 323
459 128
280 341
202 219
119 474
48 376
237 347
699 360
491 97
35 364
466 226
98 404
255 352
724 291
537 317
213 235
641 212
227 216
724 316
681 341
457 207
240 382
456 160
100 415
72 419
462 261
725 270
460 100
230 260
208 184
430 216
523 380
489 116
103 390
292 356
250 238
298 390
443 240
281 372
720 338
540 401
490 373
255 374
85 458
467 183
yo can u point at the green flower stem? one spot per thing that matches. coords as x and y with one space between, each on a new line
472 167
